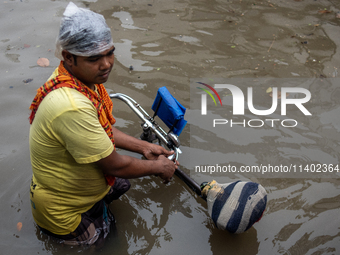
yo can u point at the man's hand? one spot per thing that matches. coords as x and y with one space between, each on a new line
152 151
168 168
128 167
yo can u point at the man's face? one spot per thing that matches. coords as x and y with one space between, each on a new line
94 69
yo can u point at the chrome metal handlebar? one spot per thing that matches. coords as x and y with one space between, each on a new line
170 140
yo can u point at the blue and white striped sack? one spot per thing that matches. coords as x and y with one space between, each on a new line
235 206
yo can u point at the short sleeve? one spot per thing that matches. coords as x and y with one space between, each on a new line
82 135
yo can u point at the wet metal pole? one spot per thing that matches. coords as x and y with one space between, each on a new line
147 120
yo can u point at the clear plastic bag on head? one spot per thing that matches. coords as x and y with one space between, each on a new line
82 33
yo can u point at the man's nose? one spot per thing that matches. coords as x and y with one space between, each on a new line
106 63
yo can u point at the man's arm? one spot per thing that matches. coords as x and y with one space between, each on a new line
149 150
129 167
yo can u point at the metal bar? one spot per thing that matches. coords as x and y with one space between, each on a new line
145 117
130 103
158 105
188 181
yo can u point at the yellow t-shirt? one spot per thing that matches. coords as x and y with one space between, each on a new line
66 139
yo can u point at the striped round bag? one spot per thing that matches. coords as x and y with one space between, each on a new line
235 206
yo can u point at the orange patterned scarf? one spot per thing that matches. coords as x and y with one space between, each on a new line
101 102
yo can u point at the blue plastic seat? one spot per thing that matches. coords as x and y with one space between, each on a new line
169 110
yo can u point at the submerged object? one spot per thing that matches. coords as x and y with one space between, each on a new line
235 206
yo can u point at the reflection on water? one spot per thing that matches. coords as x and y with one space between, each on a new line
151 53
308 212
188 39
167 43
138 85
125 56
126 20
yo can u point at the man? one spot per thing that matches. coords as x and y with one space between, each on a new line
76 170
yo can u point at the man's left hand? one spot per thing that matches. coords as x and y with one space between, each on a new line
152 151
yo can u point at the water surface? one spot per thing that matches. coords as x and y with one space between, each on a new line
168 43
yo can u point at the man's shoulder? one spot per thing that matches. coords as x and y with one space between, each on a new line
61 101
67 99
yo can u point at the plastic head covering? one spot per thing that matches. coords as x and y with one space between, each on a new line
235 206
82 33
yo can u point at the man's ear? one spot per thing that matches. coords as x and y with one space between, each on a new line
68 58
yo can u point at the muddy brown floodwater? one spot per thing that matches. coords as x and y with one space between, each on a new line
172 44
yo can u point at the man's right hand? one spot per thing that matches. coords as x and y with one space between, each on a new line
167 167
127 167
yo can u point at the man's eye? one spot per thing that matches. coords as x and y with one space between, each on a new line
93 59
